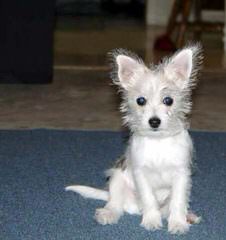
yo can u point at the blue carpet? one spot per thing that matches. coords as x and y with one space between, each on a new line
36 165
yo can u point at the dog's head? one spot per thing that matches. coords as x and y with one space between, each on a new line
156 99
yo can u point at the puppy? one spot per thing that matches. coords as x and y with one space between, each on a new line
153 177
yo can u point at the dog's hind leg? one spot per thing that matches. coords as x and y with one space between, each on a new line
114 208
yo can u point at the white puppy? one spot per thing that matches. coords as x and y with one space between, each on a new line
153 178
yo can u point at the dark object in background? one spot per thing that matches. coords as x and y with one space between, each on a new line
212 5
106 8
164 43
77 8
26 41
134 8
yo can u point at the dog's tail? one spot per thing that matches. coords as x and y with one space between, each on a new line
89 192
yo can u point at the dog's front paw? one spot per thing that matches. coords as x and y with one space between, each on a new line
178 225
106 216
152 220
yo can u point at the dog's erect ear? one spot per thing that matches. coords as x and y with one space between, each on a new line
127 68
184 65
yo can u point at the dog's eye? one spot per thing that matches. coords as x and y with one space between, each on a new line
141 101
168 101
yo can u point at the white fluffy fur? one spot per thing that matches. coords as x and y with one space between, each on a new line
156 179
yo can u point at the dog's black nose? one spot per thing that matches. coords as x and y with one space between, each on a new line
154 122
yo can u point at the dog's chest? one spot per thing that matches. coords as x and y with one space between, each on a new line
160 154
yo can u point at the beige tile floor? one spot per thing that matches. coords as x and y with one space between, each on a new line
81 95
